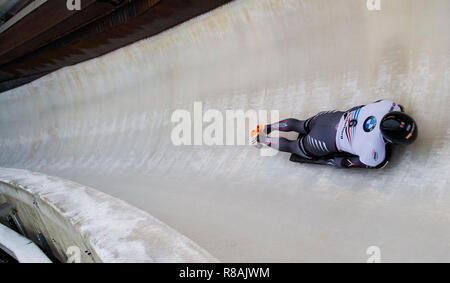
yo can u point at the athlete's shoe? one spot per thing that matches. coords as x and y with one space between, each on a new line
254 136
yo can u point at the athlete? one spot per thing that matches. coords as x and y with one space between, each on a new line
360 137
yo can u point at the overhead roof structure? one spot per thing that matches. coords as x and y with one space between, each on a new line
47 35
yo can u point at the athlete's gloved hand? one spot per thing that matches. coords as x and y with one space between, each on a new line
348 162
338 162
345 163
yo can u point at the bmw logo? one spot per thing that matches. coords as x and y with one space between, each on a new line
369 124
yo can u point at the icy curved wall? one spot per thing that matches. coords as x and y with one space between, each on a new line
81 224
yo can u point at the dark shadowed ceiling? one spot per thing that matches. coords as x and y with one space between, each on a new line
50 36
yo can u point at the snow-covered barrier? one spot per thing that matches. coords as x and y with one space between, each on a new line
81 224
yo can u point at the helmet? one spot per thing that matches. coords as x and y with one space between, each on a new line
399 128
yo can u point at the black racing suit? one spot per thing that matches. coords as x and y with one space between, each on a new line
316 143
